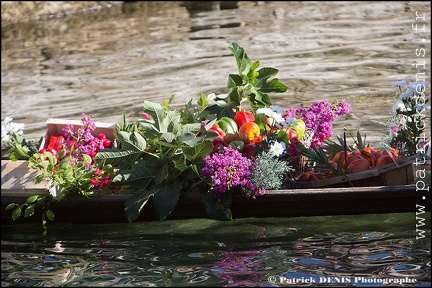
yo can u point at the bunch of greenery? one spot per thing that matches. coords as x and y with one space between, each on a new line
162 155
159 157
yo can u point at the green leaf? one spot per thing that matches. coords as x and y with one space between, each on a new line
156 111
191 128
235 97
169 101
171 122
139 174
21 151
168 137
264 74
234 80
29 211
200 151
165 199
273 86
162 173
252 73
14 156
16 213
222 109
202 101
32 199
132 141
11 206
135 203
86 158
258 99
50 215
243 61
117 158
180 163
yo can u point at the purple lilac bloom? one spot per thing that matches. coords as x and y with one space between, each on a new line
81 140
319 117
228 168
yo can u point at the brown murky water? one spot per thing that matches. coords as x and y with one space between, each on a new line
108 63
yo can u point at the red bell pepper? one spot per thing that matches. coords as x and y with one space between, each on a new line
55 144
242 117
221 133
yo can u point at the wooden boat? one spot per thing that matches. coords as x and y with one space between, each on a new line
18 184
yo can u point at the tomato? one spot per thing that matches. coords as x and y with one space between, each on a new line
292 134
251 129
286 135
242 117
102 136
300 128
230 137
107 143
218 131
227 124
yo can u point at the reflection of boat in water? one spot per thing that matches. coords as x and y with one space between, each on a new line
18 184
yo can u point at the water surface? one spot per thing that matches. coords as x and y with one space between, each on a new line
108 63
356 250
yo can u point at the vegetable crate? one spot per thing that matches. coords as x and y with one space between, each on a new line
55 126
401 173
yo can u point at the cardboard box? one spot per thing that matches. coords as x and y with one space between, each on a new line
55 126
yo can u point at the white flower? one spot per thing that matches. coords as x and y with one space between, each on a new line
266 111
274 116
277 148
399 105
9 128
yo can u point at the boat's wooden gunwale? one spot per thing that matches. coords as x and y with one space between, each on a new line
18 185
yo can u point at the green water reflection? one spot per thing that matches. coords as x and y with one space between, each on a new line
357 250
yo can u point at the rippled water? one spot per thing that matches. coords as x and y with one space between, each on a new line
109 62
353 250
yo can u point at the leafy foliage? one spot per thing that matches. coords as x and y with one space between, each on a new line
249 85
158 157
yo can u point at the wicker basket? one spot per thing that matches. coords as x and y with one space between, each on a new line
299 163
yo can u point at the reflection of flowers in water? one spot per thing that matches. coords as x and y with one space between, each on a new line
242 267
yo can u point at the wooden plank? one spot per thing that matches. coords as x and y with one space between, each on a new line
18 183
19 177
276 203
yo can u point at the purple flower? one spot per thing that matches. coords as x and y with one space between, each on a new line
228 168
81 141
319 117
